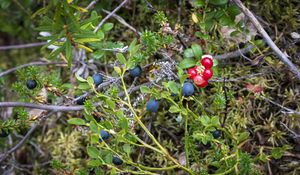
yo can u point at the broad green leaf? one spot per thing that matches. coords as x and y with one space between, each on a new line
76 121
174 109
187 63
83 86
145 89
174 87
111 104
218 2
127 148
107 26
199 3
121 58
197 50
94 127
205 120
94 163
188 53
93 152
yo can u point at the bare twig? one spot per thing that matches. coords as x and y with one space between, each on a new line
234 54
267 38
37 63
22 46
109 15
287 110
295 135
42 107
91 4
122 21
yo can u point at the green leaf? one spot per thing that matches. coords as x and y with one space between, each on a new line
174 109
197 50
225 20
111 104
100 34
93 152
199 3
76 121
121 58
94 163
87 40
242 137
127 148
107 26
118 70
145 89
205 120
187 63
174 87
90 81
188 53
94 127
83 86
218 2
80 78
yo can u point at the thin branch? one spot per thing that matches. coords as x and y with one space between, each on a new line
267 39
91 4
234 54
109 15
42 107
22 46
122 21
291 131
38 63
287 110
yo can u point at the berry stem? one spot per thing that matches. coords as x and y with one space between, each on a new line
137 118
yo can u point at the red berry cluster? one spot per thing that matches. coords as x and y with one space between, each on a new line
201 74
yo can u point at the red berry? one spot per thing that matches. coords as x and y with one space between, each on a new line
192 72
200 81
207 62
207 74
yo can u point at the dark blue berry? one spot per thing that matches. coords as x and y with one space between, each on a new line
216 133
104 135
3 133
152 105
136 71
187 89
80 101
98 79
117 161
31 84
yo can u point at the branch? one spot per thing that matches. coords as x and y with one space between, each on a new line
22 46
267 39
42 107
234 54
38 63
109 15
91 4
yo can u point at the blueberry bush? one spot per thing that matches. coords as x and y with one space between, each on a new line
148 87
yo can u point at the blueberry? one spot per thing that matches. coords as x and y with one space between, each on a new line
152 106
216 133
117 161
136 71
3 133
104 135
31 84
80 101
98 79
188 89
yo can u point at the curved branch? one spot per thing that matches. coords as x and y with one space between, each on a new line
22 46
55 108
267 39
37 63
109 15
